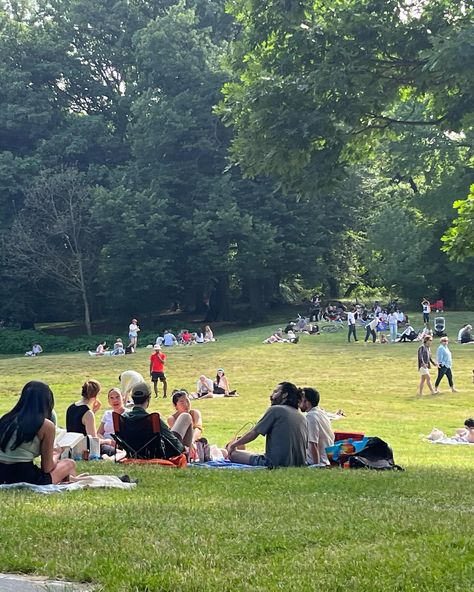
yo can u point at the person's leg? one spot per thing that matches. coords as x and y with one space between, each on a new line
441 373
430 386
374 336
62 470
367 334
449 375
155 386
165 387
183 428
422 382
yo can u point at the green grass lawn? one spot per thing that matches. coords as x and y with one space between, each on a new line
288 529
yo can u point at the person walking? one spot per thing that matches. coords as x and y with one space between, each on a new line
133 331
424 364
351 324
370 329
444 359
426 307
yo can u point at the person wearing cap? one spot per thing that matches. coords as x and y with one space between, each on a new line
176 438
221 385
157 370
133 330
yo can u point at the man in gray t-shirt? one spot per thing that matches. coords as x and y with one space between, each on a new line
286 432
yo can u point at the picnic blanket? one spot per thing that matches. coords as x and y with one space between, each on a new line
452 440
89 482
222 464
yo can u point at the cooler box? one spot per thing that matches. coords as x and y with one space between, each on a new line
339 435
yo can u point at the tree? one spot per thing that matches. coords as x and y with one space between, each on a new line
459 238
53 238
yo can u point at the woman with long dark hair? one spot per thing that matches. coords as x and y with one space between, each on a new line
27 432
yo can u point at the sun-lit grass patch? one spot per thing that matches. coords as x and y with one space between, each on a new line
292 529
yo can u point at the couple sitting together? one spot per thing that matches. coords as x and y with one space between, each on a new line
292 439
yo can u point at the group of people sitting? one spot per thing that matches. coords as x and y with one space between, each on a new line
117 350
297 430
185 337
206 388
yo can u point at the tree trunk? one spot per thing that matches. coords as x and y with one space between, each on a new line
219 301
255 296
85 301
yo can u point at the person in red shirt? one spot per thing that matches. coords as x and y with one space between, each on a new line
157 370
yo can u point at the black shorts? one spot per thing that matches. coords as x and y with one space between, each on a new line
426 317
23 472
158 375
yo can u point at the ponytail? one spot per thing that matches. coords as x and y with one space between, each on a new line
90 389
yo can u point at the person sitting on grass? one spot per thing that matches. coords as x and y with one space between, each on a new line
466 335
320 434
285 428
182 404
221 385
27 432
106 427
80 416
467 432
409 334
176 438
204 388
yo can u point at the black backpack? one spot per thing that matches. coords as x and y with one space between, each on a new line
376 455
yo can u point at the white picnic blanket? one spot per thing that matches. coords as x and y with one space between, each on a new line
89 482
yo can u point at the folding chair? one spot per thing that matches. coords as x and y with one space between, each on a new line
141 437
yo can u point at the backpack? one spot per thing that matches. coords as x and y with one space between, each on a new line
368 453
376 455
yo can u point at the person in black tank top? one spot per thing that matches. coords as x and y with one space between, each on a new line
74 415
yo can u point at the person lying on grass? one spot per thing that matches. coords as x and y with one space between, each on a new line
467 432
27 432
286 432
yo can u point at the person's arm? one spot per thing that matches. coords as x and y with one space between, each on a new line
151 366
88 421
313 449
100 430
226 386
49 457
171 421
197 424
250 436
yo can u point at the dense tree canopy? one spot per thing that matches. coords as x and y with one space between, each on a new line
344 132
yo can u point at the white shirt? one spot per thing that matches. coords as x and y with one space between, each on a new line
128 380
133 330
392 318
351 318
204 387
426 308
373 323
461 331
320 433
108 423
400 316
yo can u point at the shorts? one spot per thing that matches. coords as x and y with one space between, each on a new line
424 371
158 375
23 472
426 317
259 460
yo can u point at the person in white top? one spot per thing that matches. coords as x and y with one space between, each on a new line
393 325
320 434
204 389
371 329
133 330
128 380
351 323
426 306
461 331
